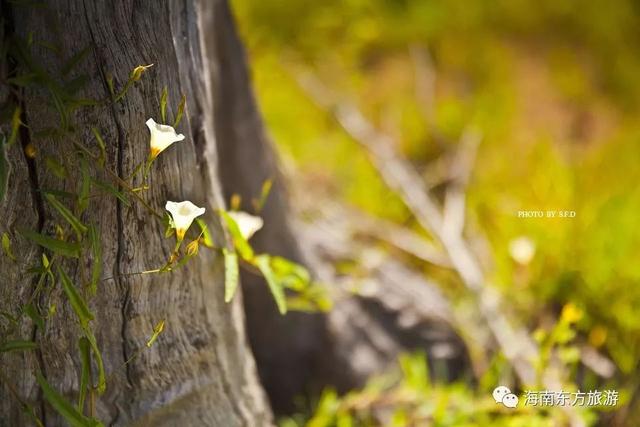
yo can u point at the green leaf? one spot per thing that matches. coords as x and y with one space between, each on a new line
230 273
55 167
263 262
264 193
85 186
102 381
61 247
4 171
31 413
16 122
163 105
240 243
290 274
112 89
23 80
157 330
63 407
30 310
85 359
112 190
78 303
183 102
75 223
74 85
206 235
96 259
101 144
59 193
17 345
74 60
6 246
74 104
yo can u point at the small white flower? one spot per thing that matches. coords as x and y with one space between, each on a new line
183 214
162 136
522 250
248 224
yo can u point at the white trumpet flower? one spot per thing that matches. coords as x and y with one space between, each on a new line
183 214
162 136
248 224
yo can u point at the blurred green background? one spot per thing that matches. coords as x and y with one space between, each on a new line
553 88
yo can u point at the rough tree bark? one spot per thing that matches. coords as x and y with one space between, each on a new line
200 371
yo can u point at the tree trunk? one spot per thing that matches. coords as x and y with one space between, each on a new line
199 372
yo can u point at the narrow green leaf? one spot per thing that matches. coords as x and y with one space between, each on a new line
63 407
74 85
61 247
105 186
85 359
75 103
75 223
16 122
102 381
31 413
23 80
230 274
242 246
263 263
264 194
60 107
163 105
47 132
59 193
78 303
74 60
17 345
85 186
157 330
45 261
207 240
96 259
31 311
6 246
112 89
290 274
183 102
101 144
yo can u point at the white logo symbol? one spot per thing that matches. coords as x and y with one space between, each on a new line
502 394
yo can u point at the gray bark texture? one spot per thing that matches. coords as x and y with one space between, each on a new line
200 371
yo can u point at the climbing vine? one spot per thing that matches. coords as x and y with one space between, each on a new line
73 241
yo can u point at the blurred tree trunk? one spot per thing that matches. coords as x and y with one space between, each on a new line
301 353
200 371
